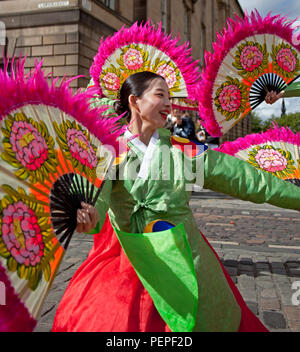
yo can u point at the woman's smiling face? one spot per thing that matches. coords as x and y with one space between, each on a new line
154 105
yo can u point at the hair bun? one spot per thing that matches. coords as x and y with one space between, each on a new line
119 107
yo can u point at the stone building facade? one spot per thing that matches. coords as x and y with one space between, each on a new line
66 33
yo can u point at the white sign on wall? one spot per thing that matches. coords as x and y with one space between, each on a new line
52 4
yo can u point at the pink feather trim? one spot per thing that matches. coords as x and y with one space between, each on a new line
237 29
18 89
275 134
148 34
14 316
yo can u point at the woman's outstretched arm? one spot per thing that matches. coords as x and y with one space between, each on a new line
226 174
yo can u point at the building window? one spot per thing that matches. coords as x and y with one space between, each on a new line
165 14
140 10
222 14
187 22
202 44
110 4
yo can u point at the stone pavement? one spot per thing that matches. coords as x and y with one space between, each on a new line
258 244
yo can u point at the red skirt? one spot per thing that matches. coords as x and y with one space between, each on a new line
106 295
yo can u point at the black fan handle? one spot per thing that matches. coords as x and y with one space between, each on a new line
66 196
260 88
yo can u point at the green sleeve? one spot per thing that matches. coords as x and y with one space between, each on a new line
102 205
292 90
230 175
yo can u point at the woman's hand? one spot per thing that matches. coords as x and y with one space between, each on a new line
272 97
87 218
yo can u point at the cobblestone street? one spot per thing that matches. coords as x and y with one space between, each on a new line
258 244
222 218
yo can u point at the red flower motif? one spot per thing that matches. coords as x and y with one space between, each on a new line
22 234
230 98
80 148
168 73
133 59
286 60
271 160
111 81
29 145
251 58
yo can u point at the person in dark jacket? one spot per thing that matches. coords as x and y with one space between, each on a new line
184 126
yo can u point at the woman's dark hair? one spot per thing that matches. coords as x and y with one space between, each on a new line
135 84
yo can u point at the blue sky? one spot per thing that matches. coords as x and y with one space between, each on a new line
291 9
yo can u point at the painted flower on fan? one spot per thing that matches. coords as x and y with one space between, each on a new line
28 144
111 81
75 142
285 60
22 236
170 73
28 148
133 59
251 59
272 159
230 98
81 148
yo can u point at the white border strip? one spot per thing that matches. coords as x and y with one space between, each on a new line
284 247
224 242
269 246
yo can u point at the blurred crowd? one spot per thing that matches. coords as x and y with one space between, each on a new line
185 124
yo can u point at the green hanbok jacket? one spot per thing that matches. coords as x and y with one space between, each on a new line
176 266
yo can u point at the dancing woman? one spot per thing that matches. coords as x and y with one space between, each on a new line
170 280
